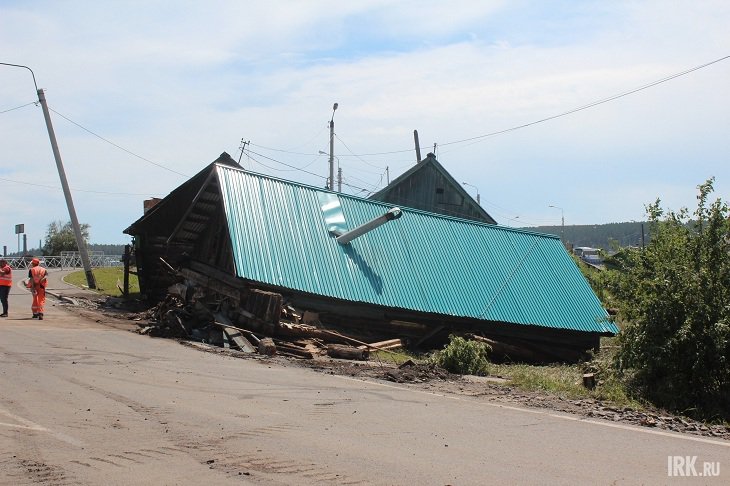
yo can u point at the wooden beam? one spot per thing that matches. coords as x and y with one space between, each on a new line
346 352
383 345
238 340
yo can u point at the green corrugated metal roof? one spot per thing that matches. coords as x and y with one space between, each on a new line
422 261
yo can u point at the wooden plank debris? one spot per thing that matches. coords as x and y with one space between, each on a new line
238 340
383 345
205 303
267 347
347 352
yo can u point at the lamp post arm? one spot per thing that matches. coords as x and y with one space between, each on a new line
25 67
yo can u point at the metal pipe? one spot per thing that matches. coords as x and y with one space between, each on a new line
418 146
393 213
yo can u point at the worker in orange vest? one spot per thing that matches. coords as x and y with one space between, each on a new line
6 282
37 279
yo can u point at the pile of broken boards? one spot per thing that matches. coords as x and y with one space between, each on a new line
268 326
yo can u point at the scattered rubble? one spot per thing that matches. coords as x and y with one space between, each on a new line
266 325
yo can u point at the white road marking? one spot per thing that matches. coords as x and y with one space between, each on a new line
28 425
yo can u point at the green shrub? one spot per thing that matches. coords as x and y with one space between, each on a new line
675 298
464 357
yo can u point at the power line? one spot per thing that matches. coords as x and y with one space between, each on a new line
542 120
592 104
281 150
291 151
118 146
75 190
358 157
249 151
19 107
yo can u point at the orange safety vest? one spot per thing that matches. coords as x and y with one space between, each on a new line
6 276
38 274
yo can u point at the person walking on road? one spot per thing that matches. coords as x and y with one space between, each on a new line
37 279
6 282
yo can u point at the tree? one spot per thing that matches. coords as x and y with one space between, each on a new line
61 237
675 297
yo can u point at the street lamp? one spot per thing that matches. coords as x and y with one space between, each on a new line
332 148
64 183
562 222
475 187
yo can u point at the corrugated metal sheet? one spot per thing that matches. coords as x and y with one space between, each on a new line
421 261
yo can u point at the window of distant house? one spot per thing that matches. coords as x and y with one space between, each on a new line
450 198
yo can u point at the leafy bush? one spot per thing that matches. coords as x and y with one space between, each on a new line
464 357
675 294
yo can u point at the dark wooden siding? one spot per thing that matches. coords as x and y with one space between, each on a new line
430 190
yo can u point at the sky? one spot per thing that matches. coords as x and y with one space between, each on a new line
537 106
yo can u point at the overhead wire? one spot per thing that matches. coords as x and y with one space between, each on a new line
591 104
357 156
117 145
249 151
281 150
75 190
18 107
565 113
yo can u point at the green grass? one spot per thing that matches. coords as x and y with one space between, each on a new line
567 380
106 281
564 380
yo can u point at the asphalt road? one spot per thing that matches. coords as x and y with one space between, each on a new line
85 403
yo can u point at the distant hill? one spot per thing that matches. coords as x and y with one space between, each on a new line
606 236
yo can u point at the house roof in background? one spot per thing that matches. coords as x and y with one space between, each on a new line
410 190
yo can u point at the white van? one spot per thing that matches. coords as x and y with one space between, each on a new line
588 254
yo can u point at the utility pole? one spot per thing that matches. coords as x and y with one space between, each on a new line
243 149
418 146
67 194
64 183
332 149
562 222
642 236
339 179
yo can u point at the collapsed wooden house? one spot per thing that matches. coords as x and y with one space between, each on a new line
377 270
